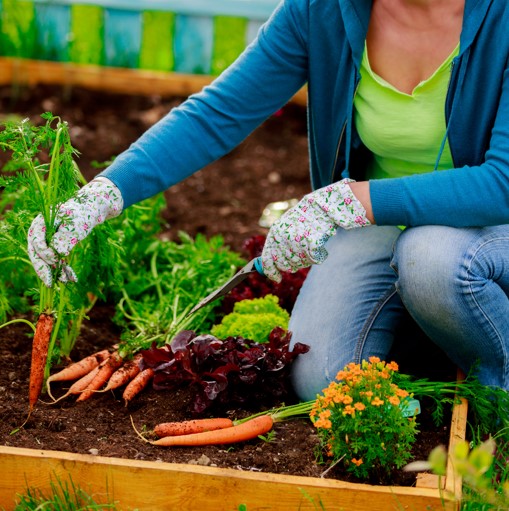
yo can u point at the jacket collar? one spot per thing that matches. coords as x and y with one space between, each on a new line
356 14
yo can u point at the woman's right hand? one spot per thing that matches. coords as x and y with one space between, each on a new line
93 204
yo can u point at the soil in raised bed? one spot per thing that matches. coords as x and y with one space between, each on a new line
226 198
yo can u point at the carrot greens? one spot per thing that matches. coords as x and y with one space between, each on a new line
163 280
41 174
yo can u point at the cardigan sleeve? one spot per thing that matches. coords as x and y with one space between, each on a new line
211 123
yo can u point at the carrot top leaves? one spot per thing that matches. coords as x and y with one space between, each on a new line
41 174
163 280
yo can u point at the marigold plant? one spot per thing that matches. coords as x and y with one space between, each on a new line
361 422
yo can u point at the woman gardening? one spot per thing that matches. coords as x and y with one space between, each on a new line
409 160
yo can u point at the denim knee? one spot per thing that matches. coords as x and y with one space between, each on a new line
455 285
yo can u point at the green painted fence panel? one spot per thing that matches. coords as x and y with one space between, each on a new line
229 41
157 41
52 26
193 44
18 31
87 35
186 36
122 37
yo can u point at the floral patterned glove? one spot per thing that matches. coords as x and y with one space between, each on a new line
297 239
93 204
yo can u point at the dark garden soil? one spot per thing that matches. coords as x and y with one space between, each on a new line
226 198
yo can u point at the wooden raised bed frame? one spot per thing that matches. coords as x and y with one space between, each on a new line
23 72
154 486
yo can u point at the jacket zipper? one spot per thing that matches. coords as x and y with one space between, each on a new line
333 172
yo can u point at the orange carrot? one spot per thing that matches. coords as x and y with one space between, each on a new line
191 426
238 433
80 385
124 374
40 346
139 382
106 369
78 369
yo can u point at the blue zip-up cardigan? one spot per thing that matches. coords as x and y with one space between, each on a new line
320 42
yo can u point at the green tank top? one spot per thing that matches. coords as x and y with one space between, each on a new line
403 131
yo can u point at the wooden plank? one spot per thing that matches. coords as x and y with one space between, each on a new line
157 41
252 30
122 38
87 35
52 27
18 34
427 480
457 434
193 44
118 80
253 9
161 486
229 42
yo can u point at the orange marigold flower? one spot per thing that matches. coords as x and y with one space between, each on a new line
347 400
359 406
357 462
323 423
341 375
377 401
325 414
349 410
394 400
401 393
393 366
338 398
374 360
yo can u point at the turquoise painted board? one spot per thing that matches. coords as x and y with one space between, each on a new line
52 26
122 37
252 9
252 30
193 44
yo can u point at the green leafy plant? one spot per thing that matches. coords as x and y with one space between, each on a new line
164 282
40 175
253 319
360 421
483 470
63 496
488 404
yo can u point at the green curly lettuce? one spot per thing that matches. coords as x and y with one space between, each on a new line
253 319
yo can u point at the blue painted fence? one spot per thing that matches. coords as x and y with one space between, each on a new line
187 36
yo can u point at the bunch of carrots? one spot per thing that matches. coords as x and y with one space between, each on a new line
220 431
101 372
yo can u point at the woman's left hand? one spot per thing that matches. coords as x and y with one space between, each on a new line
297 239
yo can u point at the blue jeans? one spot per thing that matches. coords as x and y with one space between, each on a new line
453 282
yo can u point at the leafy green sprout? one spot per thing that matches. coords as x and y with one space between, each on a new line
62 496
41 174
269 437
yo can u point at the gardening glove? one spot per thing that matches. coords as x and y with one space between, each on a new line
96 202
297 239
